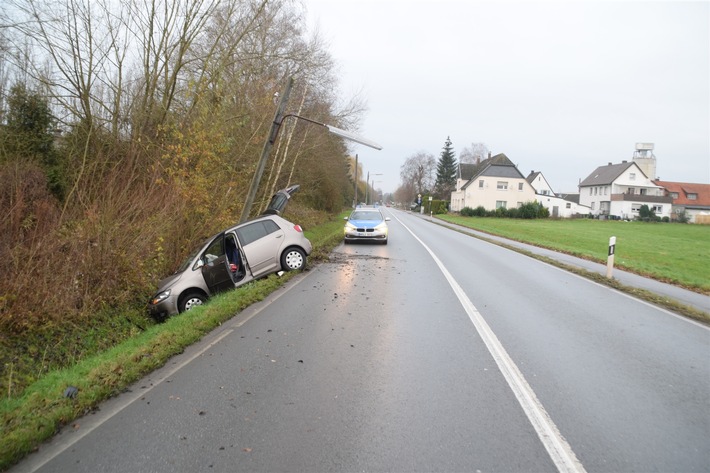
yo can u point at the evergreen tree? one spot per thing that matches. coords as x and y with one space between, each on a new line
28 135
446 172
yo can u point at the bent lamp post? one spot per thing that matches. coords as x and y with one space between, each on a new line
279 117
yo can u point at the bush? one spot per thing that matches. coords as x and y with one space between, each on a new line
528 210
501 212
438 207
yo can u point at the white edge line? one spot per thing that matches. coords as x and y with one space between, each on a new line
557 447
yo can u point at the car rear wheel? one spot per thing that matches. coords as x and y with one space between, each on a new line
191 300
293 259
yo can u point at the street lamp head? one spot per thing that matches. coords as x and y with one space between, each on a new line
352 137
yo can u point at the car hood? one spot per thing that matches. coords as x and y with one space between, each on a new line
168 282
366 223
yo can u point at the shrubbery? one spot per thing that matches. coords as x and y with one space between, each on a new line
528 210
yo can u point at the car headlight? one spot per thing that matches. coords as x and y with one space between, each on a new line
160 297
381 227
350 226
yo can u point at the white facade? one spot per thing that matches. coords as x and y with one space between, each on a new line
561 208
458 196
492 192
540 184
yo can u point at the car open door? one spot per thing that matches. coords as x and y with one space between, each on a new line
280 199
215 269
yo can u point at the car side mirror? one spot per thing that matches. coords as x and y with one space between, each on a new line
387 219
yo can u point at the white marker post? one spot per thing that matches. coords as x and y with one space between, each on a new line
610 259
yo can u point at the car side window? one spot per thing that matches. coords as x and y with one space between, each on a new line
252 232
270 226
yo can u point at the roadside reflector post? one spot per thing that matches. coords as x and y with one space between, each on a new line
610 258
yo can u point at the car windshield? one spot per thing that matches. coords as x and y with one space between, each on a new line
188 261
362 215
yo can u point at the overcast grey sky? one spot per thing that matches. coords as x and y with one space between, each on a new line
559 87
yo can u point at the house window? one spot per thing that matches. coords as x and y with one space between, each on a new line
642 191
480 184
692 196
501 204
593 205
674 195
596 190
632 176
632 191
568 205
502 185
606 189
635 208
658 209
520 186
590 191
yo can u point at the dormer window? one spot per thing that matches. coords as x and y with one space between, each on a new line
692 196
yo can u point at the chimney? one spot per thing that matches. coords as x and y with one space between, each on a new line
610 163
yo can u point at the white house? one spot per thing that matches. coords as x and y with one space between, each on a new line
620 190
559 206
494 183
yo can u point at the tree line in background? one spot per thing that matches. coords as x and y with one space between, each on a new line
130 130
421 174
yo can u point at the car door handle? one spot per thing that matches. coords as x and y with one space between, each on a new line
279 236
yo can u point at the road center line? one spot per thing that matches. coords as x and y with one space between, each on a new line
557 447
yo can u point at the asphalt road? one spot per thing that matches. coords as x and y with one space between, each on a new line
437 352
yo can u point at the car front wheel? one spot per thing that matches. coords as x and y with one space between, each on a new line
293 259
191 300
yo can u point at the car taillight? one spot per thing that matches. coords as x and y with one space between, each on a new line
298 228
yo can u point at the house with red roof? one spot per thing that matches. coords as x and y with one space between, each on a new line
692 200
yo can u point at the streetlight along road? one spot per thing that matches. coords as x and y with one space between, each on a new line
279 117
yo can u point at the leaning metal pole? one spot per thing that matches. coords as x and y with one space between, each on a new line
278 118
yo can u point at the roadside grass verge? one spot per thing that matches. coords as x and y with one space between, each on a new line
673 253
41 410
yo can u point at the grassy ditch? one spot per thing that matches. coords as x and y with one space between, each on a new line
42 409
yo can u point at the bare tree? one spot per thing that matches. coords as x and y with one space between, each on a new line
418 172
475 153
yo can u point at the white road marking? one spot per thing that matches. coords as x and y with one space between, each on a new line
557 447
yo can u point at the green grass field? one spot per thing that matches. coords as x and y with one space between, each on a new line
676 253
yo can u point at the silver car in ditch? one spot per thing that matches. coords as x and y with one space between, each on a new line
242 253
